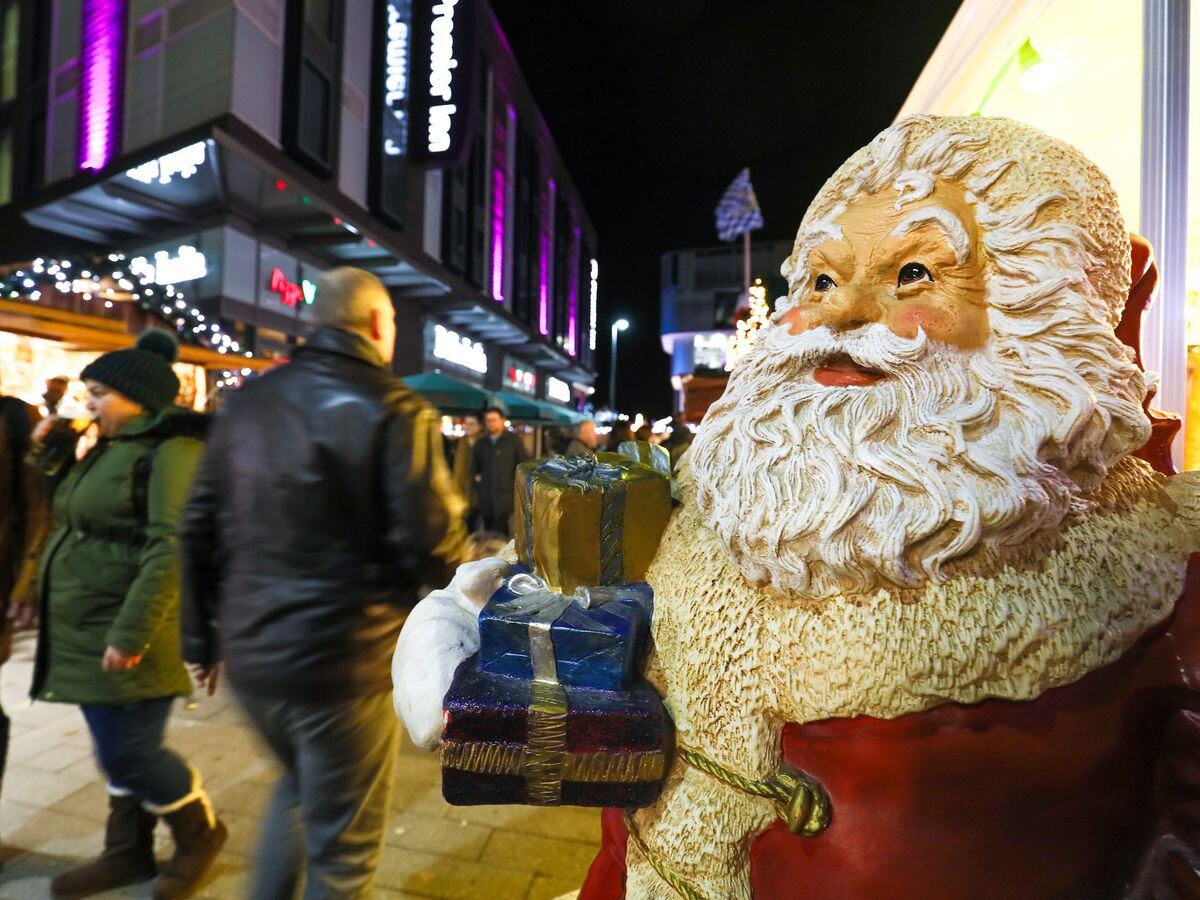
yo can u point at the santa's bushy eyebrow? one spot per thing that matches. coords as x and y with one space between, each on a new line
949 224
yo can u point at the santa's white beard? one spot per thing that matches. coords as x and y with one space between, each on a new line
832 490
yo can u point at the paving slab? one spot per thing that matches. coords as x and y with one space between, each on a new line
54 803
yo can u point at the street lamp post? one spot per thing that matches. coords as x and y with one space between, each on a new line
617 326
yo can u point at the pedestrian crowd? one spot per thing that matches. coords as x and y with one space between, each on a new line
275 546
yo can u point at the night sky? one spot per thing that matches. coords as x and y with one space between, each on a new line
657 104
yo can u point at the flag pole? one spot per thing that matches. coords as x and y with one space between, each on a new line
746 264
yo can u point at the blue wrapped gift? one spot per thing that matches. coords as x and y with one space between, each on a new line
593 639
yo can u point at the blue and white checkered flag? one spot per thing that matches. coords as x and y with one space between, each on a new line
738 210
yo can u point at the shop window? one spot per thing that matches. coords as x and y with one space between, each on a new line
9 27
312 61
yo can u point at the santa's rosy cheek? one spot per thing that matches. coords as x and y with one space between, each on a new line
799 319
908 319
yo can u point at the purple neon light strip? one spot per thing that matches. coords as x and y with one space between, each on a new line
498 197
573 295
543 281
102 40
544 264
499 201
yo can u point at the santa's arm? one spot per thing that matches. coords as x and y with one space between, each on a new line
440 632
697 836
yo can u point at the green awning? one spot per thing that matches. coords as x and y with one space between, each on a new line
516 407
559 415
448 394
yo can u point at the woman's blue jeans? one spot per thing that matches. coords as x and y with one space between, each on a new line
128 741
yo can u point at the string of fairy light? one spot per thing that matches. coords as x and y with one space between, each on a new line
747 329
86 280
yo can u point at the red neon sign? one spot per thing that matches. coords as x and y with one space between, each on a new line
291 294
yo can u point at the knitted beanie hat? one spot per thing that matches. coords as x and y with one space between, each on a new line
142 373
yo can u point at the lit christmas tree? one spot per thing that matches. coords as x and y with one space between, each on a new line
747 329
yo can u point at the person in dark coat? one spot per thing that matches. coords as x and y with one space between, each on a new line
109 609
323 503
463 454
494 462
25 522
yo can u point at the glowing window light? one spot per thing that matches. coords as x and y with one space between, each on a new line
102 41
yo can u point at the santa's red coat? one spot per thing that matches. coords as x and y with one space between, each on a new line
1090 791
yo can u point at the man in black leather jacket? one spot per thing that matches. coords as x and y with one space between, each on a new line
323 503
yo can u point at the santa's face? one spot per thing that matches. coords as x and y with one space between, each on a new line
910 267
883 426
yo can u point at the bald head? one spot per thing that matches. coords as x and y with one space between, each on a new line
355 300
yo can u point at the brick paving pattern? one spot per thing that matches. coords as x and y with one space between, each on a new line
53 805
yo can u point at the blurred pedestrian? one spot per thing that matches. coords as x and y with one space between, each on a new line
493 465
621 432
25 522
323 503
586 440
109 637
56 389
473 430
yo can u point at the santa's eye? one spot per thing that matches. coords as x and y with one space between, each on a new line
824 283
911 273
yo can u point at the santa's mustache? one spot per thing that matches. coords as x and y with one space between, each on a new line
873 346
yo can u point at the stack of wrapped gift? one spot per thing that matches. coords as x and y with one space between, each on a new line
552 710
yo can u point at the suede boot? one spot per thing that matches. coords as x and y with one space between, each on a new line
128 855
199 837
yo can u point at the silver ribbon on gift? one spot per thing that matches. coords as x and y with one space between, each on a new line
535 597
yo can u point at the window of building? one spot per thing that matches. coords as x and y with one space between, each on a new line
562 269
10 19
454 219
312 61
527 227
6 166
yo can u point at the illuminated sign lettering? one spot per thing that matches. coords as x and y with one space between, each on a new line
443 49
593 292
557 389
522 379
390 103
291 294
187 264
453 347
396 75
441 77
184 162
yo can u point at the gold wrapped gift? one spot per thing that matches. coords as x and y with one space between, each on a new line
589 519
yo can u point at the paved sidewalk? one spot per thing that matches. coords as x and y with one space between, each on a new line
53 806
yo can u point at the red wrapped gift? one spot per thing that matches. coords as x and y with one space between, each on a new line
515 740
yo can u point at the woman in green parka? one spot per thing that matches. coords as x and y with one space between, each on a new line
109 634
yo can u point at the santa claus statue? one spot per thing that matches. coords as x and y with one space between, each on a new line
923 620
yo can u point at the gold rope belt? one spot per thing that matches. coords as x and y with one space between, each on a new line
799 800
